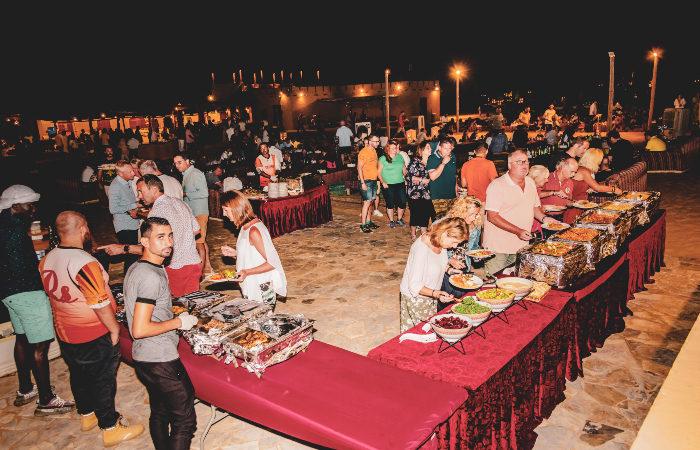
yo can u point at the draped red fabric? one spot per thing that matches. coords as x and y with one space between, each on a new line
646 252
306 210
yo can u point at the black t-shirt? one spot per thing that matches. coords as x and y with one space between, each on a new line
550 160
623 155
520 138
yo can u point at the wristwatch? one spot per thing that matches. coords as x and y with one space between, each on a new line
126 249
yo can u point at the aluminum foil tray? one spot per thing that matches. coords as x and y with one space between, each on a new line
198 300
236 311
557 271
593 248
260 357
619 229
650 205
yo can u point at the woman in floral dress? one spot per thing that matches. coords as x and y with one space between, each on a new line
418 186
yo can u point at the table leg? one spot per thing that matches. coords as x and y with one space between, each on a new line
212 421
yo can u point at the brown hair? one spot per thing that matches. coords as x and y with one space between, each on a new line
240 206
386 149
455 227
121 164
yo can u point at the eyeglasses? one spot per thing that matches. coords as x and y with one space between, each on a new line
521 162
376 142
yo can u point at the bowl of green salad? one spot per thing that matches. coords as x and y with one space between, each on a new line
470 307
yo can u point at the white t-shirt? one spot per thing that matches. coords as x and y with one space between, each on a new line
241 125
229 133
87 173
171 186
265 136
278 157
424 268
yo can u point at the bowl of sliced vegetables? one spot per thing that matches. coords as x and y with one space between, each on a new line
469 307
496 297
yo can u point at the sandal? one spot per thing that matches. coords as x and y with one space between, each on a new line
414 237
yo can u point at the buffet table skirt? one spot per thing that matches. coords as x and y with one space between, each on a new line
326 396
646 252
515 376
306 210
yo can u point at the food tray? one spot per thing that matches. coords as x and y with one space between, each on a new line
619 229
650 205
260 357
557 271
636 212
248 309
592 247
198 300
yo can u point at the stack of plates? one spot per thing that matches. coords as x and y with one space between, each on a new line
282 189
273 190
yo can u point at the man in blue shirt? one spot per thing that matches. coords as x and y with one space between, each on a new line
196 195
123 207
499 143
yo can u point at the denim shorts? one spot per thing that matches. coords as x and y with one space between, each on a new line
371 192
30 314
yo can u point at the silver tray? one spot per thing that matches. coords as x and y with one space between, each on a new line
557 271
619 229
636 213
650 204
198 300
593 247
250 309
260 357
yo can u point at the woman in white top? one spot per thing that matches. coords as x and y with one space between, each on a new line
425 268
258 267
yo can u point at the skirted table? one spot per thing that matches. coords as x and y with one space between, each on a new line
326 396
286 214
517 373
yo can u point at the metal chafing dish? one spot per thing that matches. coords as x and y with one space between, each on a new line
199 300
636 211
288 334
596 249
619 229
557 271
650 204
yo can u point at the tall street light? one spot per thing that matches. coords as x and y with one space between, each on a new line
611 88
457 100
653 89
386 100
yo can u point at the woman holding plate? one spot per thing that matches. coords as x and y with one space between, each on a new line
425 269
588 166
259 269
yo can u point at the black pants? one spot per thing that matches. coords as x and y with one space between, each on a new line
171 395
421 212
93 377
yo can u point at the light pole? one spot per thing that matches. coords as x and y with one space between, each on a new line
386 101
653 90
457 101
611 89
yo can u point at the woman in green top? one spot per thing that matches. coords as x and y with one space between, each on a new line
391 170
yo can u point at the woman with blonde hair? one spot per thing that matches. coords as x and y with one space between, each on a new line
588 166
425 269
258 267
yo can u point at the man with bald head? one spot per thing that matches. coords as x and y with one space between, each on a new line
512 203
86 329
560 182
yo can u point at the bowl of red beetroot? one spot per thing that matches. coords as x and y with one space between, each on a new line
451 327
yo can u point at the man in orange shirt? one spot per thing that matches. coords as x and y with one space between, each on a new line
265 165
86 328
367 172
478 173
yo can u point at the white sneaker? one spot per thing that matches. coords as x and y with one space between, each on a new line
377 213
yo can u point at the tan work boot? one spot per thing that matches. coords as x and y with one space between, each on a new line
119 433
88 421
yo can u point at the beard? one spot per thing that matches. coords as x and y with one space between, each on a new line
166 254
87 242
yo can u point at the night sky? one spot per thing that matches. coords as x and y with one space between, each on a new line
149 61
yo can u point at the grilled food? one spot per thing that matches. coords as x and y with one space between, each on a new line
600 218
618 206
579 234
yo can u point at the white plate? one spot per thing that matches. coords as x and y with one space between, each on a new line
546 226
473 278
580 206
471 254
219 281
554 208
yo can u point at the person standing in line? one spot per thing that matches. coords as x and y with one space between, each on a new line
442 167
196 195
478 173
367 172
123 207
172 187
344 136
22 292
107 171
391 171
149 314
86 328
258 266
418 181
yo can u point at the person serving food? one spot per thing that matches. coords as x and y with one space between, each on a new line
425 268
258 266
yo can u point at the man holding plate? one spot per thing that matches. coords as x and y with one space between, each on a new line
561 183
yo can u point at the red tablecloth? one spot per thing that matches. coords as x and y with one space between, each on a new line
306 210
647 246
515 377
336 176
326 396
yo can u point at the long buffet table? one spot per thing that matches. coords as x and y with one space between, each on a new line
326 396
516 374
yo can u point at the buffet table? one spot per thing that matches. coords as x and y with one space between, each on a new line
646 252
326 396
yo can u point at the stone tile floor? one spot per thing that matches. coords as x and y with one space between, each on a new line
348 282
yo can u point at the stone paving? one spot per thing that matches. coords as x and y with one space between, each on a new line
348 282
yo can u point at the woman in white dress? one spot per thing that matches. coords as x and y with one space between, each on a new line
258 267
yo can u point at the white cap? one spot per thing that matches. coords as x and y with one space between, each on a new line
17 194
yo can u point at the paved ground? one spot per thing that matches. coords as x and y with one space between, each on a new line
348 282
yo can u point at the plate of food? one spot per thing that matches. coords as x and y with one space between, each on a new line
555 226
468 282
554 208
480 254
635 196
601 218
583 204
225 275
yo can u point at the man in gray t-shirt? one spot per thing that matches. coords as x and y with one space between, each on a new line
149 314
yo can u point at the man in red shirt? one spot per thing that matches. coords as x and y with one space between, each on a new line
86 328
478 173
561 183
